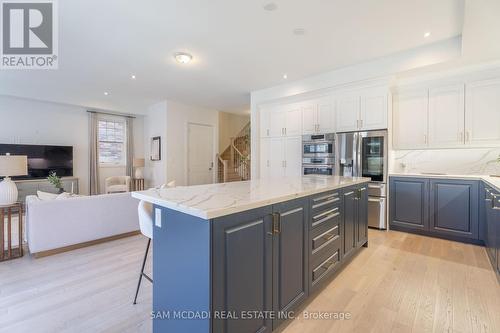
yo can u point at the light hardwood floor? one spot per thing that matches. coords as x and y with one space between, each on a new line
400 283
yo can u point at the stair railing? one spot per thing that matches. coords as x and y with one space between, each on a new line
241 163
222 169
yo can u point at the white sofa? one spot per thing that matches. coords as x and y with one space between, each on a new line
54 226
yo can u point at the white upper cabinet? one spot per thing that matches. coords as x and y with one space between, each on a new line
446 116
482 113
264 122
277 122
309 117
318 116
362 110
347 112
410 117
293 120
325 115
373 114
293 156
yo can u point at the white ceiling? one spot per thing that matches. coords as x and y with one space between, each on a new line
237 46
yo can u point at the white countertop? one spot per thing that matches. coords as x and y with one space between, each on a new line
216 200
490 180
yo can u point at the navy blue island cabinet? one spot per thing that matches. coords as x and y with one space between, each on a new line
250 271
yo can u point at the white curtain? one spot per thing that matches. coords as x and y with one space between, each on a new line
130 146
93 154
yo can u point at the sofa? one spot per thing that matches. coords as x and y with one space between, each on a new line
59 225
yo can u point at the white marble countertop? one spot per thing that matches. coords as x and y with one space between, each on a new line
491 180
216 200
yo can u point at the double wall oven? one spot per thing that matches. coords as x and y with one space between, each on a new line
318 154
364 154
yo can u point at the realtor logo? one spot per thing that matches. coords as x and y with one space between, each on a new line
29 35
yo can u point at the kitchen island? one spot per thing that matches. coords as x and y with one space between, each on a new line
241 257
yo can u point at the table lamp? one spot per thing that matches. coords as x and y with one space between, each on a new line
11 166
138 165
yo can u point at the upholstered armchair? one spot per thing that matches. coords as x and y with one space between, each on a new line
117 184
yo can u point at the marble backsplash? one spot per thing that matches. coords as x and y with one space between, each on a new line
449 161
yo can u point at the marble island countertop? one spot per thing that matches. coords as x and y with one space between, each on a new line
216 200
493 181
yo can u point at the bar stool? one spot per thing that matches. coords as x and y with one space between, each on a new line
145 211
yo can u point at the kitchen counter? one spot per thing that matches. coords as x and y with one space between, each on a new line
490 180
216 200
233 248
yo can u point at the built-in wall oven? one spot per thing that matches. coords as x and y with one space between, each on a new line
364 154
318 154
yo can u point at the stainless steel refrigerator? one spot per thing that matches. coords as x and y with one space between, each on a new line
364 154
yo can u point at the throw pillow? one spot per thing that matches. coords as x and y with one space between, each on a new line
46 195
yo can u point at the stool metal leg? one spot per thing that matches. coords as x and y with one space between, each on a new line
142 271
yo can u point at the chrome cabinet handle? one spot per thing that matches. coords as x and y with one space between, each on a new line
326 197
425 138
361 123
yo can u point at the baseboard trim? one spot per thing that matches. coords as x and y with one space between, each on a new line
47 253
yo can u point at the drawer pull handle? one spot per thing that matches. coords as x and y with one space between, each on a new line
325 203
329 217
326 197
319 216
329 262
327 234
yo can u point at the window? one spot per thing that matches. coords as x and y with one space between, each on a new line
111 142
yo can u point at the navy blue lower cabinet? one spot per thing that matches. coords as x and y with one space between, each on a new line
409 203
290 257
349 197
491 216
243 270
362 218
454 207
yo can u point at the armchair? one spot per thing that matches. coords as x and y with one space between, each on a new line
117 184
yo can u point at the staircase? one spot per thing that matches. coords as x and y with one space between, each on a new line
234 162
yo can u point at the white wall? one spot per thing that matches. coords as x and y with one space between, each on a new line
155 124
178 117
34 122
229 126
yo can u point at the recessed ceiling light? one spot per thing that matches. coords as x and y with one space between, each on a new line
285 76
427 34
106 93
270 6
299 31
132 77
182 57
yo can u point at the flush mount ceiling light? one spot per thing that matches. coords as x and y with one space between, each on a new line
182 57
299 31
271 6
132 77
106 93
285 76
427 34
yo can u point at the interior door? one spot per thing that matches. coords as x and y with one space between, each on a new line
482 113
446 116
200 154
410 117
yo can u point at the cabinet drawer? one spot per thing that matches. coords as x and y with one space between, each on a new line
325 236
325 267
326 216
324 201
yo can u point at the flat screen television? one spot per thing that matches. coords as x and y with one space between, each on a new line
42 160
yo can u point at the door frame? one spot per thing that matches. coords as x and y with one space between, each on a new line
214 168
